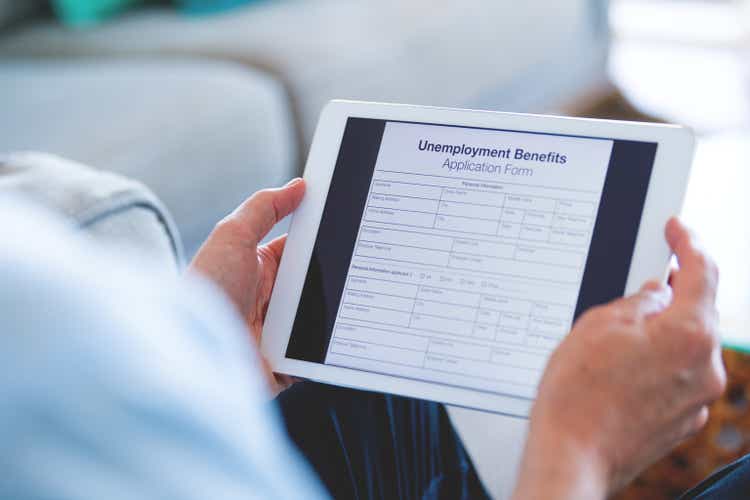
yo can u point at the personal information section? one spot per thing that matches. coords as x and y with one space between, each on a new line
469 258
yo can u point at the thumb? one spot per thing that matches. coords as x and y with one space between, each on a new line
259 213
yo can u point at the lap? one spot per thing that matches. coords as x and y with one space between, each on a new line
368 445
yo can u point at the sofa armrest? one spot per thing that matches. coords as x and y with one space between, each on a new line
111 209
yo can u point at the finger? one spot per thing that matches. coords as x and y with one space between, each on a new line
694 283
653 297
691 423
267 207
276 247
672 272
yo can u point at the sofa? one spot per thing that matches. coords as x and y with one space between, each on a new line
205 110
201 112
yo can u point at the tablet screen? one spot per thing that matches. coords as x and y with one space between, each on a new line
461 256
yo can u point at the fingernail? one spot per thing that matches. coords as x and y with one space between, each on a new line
293 182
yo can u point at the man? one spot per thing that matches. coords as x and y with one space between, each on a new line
118 384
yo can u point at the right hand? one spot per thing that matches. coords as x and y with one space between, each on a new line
631 380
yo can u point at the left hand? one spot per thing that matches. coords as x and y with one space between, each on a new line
245 270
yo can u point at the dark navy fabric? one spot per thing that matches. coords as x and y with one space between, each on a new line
365 445
728 483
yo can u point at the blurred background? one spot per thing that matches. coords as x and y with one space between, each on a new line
206 101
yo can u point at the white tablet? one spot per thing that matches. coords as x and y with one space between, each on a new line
443 254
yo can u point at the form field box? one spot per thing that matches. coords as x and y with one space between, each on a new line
431 323
450 296
488 316
530 203
403 203
483 369
537 218
551 311
378 300
382 337
534 233
483 331
409 238
521 359
572 207
465 225
401 253
510 335
512 215
509 230
375 315
483 248
377 352
514 320
459 349
549 256
390 216
514 268
543 341
445 310
569 237
504 304
550 326
381 286
468 210
467 261
476 197
577 222
406 189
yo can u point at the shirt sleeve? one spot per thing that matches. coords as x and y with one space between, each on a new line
119 382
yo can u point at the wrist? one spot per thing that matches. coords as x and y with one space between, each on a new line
557 464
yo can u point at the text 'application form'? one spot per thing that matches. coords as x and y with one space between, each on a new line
470 255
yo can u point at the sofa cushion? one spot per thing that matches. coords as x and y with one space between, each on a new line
202 135
497 54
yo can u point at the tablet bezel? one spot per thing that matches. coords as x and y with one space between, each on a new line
650 259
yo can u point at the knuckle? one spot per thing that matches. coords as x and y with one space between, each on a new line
716 384
697 423
228 224
702 260
597 315
263 196
709 269
698 337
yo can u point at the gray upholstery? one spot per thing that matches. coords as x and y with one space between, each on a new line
115 211
203 135
520 56
13 12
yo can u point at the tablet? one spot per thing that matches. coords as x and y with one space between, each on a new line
443 254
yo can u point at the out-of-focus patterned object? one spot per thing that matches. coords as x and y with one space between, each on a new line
725 438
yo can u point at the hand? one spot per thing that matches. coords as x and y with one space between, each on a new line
631 380
233 259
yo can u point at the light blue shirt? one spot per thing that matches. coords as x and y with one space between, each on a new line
120 382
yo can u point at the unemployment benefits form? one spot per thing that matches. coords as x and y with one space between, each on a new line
470 254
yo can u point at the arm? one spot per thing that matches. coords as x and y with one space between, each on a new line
120 382
631 381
